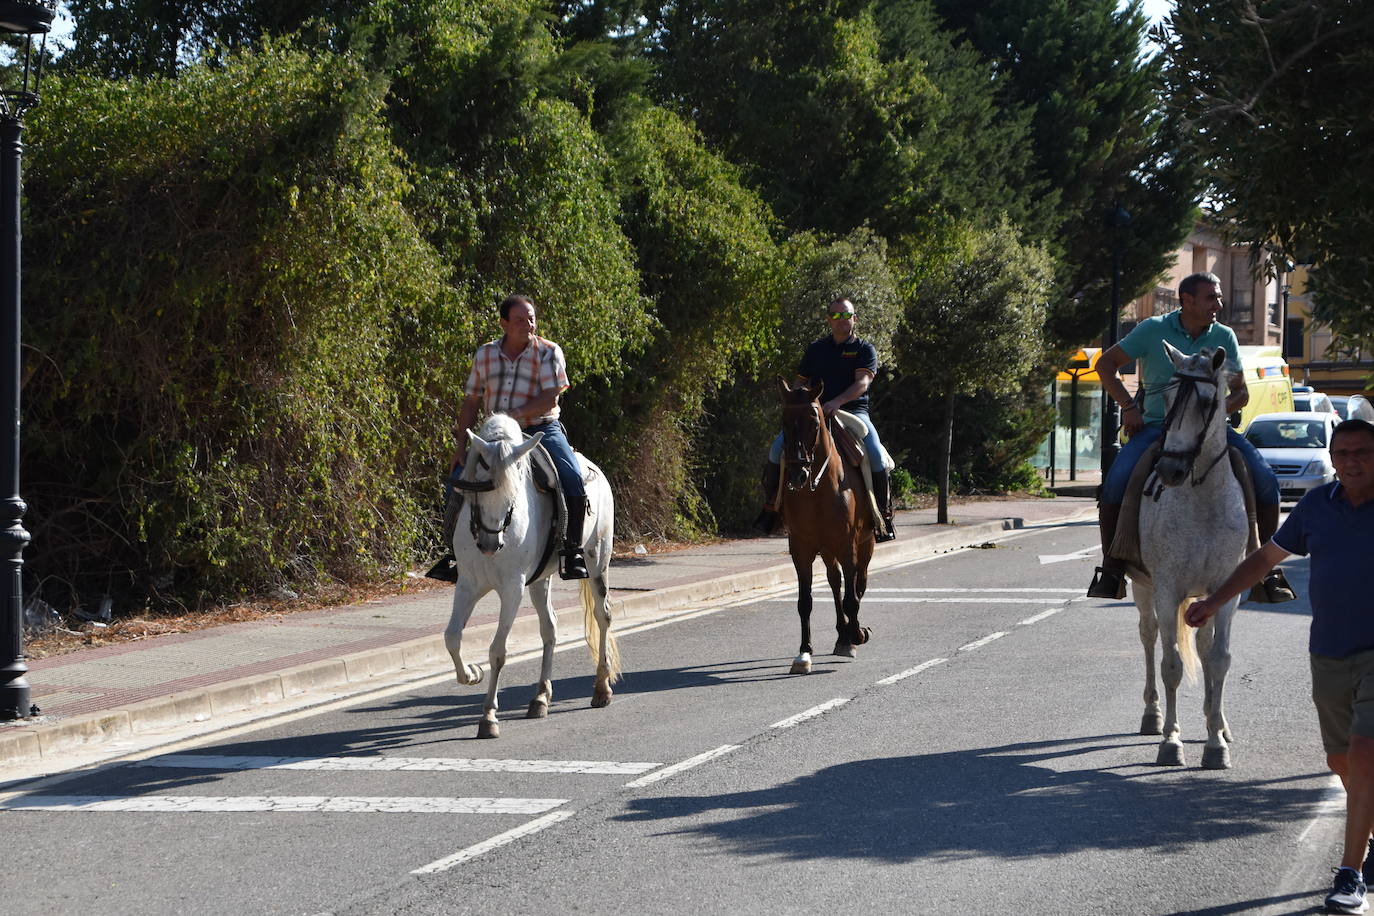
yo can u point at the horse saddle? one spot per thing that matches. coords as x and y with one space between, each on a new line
1126 544
849 431
545 475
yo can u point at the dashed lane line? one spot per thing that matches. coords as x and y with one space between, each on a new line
979 643
300 804
501 839
377 763
903 675
1036 618
679 767
811 713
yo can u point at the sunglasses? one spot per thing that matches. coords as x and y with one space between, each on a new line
838 316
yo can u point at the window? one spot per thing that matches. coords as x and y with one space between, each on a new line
1293 338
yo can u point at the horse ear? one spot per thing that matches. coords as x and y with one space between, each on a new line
1175 355
483 446
524 448
815 393
1218 358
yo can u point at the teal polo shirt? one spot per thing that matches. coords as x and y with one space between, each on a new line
1145 344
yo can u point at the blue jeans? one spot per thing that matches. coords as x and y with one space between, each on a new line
871 443
1114 487
555 441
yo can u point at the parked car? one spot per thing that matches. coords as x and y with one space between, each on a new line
1296 446
1353 407
1312 400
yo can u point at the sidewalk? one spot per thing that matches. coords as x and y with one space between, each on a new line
104 695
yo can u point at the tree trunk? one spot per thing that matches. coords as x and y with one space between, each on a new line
946 445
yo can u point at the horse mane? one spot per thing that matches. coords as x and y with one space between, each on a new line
501 430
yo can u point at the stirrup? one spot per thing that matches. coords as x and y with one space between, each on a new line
446 570
1107 583
1272 589
887 533
572 564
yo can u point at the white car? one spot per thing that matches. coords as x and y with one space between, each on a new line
1296 446
1353 407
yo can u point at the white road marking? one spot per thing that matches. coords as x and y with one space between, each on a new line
918 600
501 839
1039 591
679 767
979 643
393 764
1036 618
903 675
810 713
1065 557
341 804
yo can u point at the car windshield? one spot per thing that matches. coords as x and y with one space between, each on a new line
1287 434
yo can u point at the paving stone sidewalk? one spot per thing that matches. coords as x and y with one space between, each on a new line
103 694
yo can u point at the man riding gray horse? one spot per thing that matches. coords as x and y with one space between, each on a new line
1190 327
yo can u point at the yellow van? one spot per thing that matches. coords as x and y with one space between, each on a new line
1271 389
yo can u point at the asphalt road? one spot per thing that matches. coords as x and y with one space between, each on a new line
979 755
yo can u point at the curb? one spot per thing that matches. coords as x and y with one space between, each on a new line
418 658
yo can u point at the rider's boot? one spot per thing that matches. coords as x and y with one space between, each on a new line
882 495
767 522
572 564
446 570
1274 587
1109 579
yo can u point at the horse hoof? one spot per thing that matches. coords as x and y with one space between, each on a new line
845 650
601 700
488 728
1152 723
472 674
865 634
1170 754
1216 758
801 665
539 709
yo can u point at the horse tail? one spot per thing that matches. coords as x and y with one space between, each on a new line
1183 639
592 632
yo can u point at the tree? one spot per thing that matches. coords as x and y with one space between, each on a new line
1277 99
975 323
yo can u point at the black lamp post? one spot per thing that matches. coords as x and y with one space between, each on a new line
25 18
1118 219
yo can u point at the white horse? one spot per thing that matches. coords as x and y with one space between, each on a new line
1193 531
501 543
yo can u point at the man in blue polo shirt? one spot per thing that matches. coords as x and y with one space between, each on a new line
1335 525
846 364
1190 328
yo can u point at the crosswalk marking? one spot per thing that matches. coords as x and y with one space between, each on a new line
339 804
1037 591
679 767
916 599
392 764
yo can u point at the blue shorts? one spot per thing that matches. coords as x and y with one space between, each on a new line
1114 487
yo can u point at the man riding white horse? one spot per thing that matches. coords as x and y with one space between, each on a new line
1190 327
522 376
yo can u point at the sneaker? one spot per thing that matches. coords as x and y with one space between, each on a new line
1272 589
1367 870
1347 892
1107 583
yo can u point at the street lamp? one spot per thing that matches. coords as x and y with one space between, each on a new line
1118 219
25 18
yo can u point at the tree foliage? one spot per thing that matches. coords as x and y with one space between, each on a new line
1280 122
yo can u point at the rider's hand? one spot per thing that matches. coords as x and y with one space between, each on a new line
1199 612
829 407
1132 420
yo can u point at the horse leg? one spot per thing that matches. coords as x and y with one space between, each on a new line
490 726
842 590
594 591
1166 603
802 563
1214 645
1152 720
465 597
548 634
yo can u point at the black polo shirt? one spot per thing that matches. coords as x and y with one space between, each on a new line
834 364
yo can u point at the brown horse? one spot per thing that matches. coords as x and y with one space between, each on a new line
825 506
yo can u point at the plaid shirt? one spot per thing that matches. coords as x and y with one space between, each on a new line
505 383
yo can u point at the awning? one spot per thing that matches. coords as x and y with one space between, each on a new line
1082 365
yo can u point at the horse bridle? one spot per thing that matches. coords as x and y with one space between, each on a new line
475 524
809 458
1187 386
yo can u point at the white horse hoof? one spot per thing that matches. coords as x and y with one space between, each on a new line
1170 754
488 728
471 674
1152 723
845 650
1216 758
539 709
801 664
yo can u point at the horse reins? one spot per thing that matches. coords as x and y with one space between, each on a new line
812 484
475 516
1187 385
